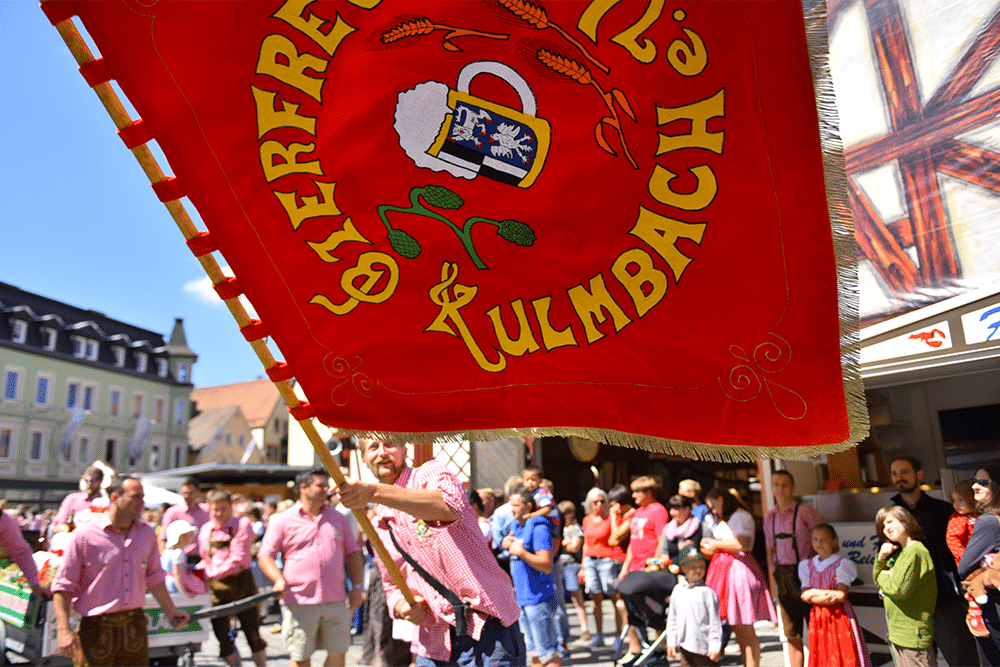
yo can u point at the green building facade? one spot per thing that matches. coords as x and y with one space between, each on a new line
77 386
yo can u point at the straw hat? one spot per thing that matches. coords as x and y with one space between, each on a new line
174 531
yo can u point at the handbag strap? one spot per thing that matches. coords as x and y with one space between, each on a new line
460 608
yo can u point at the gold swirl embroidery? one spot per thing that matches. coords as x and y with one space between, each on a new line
746 380
349 376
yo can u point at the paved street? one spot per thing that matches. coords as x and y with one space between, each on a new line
277 655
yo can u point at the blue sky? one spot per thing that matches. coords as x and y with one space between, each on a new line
78 219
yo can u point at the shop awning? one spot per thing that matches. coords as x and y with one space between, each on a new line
957 336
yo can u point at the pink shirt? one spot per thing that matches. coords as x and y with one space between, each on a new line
312 553
197 517
455 553
105 571
232 559
13 541
647 524
76 502
781 523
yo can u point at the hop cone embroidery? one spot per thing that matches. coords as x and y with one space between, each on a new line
441 197
517 232
404 244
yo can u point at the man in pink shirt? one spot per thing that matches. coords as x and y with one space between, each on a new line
191 510
83 500
224 543
427 511
12 540
788 536
108 566
314 541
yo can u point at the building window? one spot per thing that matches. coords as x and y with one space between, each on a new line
114 402
182 372
88 398
37 445
79 346
48 338
161 367
110 451
42 392
154 457
119 353
72 394
141 361
92 349
19 331
11 385
177 456
6 442
158 408
181 416
67 452
84 451
138 405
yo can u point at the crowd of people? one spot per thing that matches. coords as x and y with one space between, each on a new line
492 575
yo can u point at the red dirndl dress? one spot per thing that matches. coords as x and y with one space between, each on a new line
835 640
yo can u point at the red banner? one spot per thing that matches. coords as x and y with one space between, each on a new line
478 217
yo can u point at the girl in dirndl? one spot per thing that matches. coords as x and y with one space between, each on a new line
744 597
835 640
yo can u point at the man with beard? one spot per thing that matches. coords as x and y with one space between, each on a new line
950 632
427 512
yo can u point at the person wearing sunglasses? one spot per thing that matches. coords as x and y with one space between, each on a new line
90 495
601 561
985 541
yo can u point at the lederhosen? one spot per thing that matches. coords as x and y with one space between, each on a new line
786 579
230 589
116 638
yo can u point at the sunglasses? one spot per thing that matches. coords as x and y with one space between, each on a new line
981 482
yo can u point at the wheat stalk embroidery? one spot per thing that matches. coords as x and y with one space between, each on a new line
576 71
536 16
421 25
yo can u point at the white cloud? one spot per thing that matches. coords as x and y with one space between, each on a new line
201 289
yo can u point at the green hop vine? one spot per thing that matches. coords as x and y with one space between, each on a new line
512 231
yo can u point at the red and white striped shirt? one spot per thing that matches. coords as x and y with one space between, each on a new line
455 553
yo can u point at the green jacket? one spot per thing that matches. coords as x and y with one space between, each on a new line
909 586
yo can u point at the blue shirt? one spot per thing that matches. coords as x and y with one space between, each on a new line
530 585
700 511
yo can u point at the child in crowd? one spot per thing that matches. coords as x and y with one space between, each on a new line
180 577
531 479
694 628
531 558
960 525
961 522
834 637
904 574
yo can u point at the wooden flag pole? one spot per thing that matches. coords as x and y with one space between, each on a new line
109 98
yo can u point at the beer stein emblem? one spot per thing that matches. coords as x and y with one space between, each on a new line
442 129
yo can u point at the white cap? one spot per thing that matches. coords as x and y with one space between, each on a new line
174 531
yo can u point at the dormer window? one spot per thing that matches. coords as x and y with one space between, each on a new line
141 361
19 331
161 367
79 346
119 353
92 349
182 372
48 338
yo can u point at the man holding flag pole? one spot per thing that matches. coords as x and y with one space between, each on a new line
465 606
